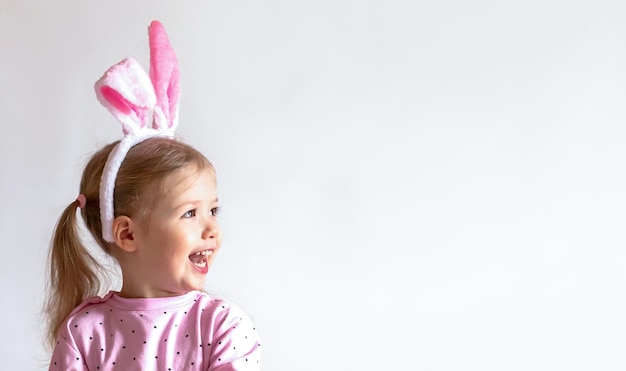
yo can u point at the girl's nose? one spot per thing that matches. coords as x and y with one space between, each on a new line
211 229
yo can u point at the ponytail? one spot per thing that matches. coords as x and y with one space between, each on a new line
73 272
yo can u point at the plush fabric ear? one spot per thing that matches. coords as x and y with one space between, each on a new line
145 105
165 77
126 91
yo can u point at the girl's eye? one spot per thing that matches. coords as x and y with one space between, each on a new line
215 211
190 214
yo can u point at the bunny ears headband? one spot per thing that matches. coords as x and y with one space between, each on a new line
145 105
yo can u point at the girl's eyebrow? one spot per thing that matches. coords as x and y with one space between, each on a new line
192 202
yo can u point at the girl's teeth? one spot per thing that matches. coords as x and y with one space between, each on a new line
204 253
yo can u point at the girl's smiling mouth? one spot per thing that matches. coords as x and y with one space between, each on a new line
200 259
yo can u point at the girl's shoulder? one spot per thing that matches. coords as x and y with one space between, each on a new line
92 303
219 307
224 319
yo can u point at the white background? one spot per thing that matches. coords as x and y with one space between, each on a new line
406 185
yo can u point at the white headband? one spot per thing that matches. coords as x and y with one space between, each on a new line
146 106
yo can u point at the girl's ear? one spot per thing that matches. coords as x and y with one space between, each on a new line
123 233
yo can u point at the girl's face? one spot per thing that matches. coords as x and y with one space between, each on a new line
177 242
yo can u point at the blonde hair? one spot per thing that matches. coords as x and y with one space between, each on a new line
75 274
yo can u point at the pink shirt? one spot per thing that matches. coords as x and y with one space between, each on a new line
190 332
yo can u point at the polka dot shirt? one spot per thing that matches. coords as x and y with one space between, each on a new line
194 331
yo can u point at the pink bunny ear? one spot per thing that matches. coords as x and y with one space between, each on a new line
146 105
126 91
165 77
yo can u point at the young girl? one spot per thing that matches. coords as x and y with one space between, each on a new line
149 201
